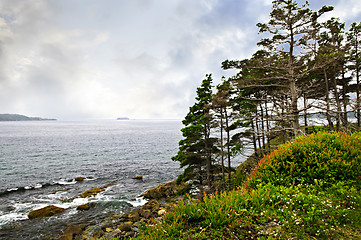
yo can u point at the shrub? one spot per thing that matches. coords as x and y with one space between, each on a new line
307 189
316 129
319 159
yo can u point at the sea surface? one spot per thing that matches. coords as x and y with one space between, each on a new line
39 161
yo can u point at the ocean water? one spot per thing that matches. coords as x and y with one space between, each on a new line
39 161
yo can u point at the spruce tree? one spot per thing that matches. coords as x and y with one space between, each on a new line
354 39
197 145
291 30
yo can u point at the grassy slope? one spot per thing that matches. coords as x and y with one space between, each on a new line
307 189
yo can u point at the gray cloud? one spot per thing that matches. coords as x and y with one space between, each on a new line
102 59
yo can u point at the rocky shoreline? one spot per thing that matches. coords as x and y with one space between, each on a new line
122 226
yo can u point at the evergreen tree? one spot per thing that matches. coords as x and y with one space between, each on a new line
197 145
291 28
332 47
354 39
223 105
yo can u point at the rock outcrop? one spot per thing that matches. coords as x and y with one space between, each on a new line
47 211
164 191
138 178
83 207
127 225
91 192
123 226
79 179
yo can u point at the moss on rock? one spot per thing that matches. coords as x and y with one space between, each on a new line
91 192
46 212
164 191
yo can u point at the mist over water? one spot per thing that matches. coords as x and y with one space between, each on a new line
39 161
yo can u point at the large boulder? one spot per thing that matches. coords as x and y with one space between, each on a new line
74 229
79 179
46 212
83 207
91 192
164 191
126 227
138 178
67 236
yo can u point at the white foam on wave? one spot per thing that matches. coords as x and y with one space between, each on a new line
12 217
76 202
139 201
103 197
12 189
19 213
65 182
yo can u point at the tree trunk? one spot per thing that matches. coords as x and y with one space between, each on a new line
208 157
293 87
254 140
222 151
338 105
228 152
305 112
283 117
358 105
263 129
328 116
345 102
258 136
268 128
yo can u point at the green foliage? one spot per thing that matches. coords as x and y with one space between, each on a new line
316 129
269 211
184 176
196 146
318 158
280 209
184 190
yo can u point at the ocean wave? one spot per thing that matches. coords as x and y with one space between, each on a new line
12 217
137 202
37 186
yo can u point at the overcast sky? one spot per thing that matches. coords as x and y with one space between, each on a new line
84 59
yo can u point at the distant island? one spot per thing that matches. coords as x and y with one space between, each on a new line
18 117
123 118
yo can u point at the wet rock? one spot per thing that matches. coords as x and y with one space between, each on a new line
91 192
166 190
152 205
114 234
87 233
79 179
74 229
46 212
138 178
146 213
125 227
67 236
134 215
83 207
91 232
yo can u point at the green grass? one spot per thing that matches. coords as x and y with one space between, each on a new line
301 212
306 189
